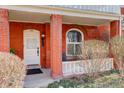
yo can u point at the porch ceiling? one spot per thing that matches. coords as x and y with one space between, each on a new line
22 16
85 20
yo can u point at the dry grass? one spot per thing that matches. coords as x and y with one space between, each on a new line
12 71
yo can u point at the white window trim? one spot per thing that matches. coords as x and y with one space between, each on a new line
73 29
122 24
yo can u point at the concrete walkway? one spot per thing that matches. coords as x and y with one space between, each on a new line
39 80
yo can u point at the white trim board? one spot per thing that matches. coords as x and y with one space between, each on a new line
49 23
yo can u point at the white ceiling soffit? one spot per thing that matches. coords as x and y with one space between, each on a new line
28 16
20 16
62 11
85 21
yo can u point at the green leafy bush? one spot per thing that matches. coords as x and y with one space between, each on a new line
88 81
65 83
73 82
54 85
12 50
114 71
12 71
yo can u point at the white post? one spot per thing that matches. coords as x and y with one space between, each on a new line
120 27
109 33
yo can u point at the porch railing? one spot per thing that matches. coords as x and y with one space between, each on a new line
86 66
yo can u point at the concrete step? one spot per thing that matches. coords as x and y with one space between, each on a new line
33 66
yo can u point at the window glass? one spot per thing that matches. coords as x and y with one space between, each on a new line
70 49
78 48
74 36
31 43
74 43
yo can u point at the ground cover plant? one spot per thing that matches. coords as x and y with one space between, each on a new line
108 79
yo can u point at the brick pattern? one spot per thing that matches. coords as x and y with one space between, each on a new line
56 45
122 11
16 38
114 28
4 31
50 53
47 40
104 32
90 32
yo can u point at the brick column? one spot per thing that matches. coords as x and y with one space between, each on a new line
104 32
47 29
56 45
114 28
4 31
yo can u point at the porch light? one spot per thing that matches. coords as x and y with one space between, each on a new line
43 35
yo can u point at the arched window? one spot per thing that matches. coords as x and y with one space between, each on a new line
74 38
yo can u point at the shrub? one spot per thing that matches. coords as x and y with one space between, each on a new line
54 85
105 36
111 81
65 83
95 49
117 44
94 52
105 79
73 82
12 71
114 71
12 50
117 48
88 79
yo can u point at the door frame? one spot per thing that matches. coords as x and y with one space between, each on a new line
39 45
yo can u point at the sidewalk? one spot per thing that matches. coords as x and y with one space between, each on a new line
38 80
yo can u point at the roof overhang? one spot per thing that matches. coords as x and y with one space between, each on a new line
31 17
62 11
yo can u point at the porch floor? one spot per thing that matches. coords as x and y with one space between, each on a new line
39 80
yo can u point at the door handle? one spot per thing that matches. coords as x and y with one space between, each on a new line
37 51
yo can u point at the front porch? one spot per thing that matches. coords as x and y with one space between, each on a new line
52 28
39 80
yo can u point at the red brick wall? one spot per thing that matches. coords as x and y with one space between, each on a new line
90 32
114 28
47 40
4 31
122 11
16 37
17 28
56 45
